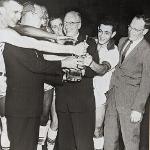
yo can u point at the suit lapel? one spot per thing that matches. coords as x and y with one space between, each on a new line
132 53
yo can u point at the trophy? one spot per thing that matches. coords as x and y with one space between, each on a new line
75 75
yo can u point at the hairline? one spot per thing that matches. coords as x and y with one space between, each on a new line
76 15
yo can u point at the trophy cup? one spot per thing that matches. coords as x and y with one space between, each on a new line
75 75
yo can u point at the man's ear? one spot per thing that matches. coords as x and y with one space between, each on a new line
113 34
145 31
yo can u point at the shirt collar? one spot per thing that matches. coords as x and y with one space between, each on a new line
102 47
138 41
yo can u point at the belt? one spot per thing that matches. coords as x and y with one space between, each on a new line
2 74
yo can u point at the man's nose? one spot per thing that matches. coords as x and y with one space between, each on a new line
66 27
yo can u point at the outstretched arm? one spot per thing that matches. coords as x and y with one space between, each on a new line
12 37
34 32
108 64
100 69
39 33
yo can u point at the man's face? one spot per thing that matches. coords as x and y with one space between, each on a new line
57 26
13 10
72 24
104 33
32 17
136 29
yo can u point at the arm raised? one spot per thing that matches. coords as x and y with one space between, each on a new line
12 37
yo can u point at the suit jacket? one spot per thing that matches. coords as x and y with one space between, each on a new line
131 79
78 96
26 73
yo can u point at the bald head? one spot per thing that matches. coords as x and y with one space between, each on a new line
74 15
32 15
72 23
13 11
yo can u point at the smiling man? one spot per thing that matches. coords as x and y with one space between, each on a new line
130 88
75 102
108 52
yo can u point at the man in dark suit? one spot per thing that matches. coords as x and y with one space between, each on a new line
26 73
129 88
75 102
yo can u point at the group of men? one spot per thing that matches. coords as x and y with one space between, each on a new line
98 78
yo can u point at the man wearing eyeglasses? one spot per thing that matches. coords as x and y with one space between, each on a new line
75 102
129 88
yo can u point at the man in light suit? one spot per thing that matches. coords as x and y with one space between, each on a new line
129 88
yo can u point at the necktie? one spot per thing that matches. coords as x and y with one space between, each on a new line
125 50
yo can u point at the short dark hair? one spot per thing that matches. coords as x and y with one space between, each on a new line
109 20
55 16
146 20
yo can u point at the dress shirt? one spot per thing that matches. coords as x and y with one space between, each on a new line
101 83
132 46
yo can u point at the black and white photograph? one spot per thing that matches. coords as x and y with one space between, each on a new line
74 74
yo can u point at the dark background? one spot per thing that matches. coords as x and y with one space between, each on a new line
93 10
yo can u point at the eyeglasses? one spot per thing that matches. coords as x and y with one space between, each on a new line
71 23
136 30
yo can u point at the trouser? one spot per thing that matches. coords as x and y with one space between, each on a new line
23 133
75 131
144 138
119 119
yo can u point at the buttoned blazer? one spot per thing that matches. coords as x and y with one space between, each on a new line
26 73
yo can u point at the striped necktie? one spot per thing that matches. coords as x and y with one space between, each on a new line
126 49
